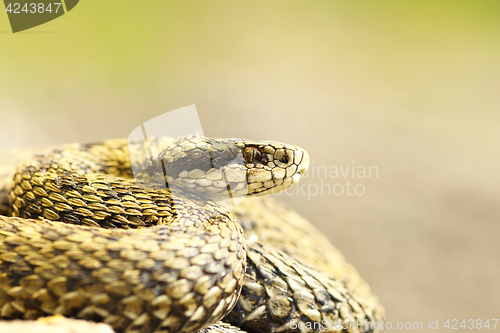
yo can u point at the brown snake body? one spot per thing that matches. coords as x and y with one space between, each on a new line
171 263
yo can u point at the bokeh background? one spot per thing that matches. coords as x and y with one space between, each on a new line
411 87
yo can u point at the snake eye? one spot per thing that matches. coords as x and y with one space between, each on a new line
251 154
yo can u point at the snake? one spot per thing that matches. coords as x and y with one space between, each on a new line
81 237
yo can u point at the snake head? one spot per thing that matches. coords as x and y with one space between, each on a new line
272 167
213 167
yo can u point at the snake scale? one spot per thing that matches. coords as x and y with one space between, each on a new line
145 260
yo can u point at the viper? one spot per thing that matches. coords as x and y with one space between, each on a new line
161 252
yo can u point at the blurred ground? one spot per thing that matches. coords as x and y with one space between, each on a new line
410 87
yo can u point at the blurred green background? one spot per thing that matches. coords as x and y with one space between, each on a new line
411 87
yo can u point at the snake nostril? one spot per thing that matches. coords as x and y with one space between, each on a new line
302 171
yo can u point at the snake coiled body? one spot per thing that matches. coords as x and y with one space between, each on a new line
172 263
